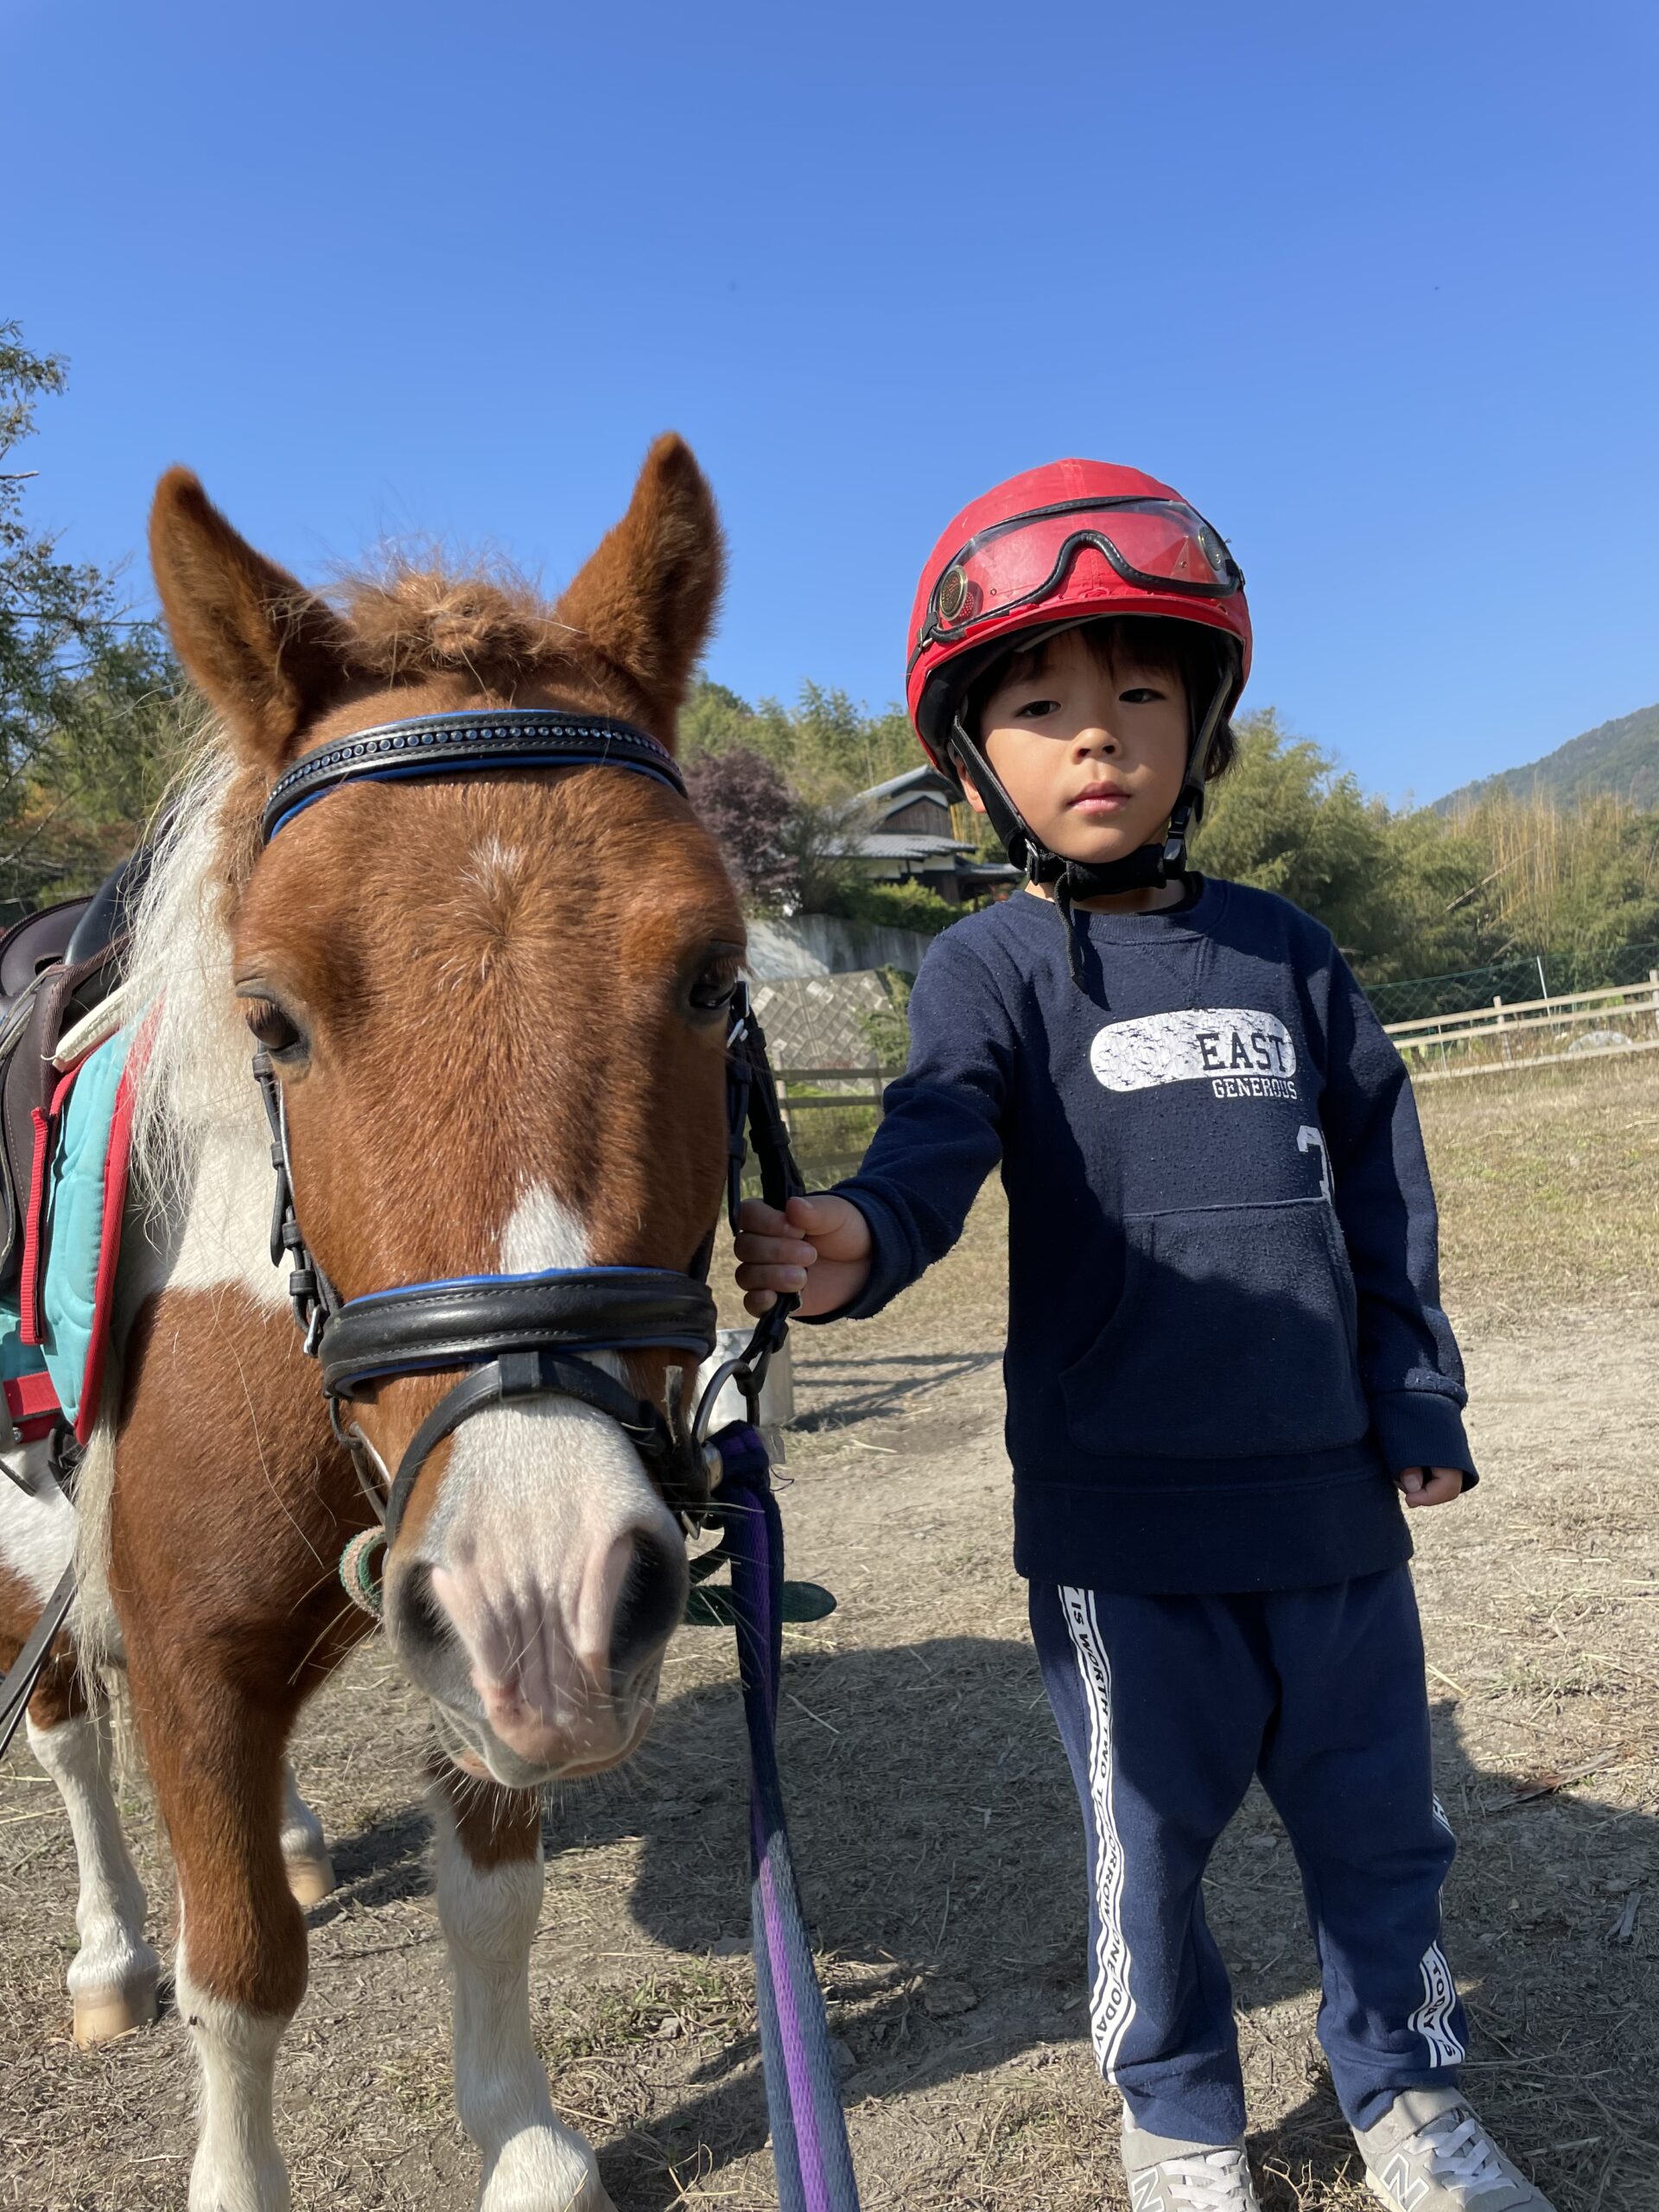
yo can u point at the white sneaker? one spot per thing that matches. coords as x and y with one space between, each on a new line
1167 2176
1429 2154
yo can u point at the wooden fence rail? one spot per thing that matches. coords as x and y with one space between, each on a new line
870 1084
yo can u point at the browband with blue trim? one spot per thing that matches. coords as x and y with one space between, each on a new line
445 745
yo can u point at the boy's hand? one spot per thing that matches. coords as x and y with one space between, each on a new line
818 1248
1430 1486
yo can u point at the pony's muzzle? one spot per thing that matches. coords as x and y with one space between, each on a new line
557 1673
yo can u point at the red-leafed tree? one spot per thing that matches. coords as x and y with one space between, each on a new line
745 801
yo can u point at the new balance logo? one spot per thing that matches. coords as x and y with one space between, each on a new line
1146 2190
1396 2179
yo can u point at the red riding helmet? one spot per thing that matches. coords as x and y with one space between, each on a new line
1060 544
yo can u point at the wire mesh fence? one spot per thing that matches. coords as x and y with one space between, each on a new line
1521 976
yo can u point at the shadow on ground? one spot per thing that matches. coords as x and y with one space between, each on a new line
840 1391
940 1856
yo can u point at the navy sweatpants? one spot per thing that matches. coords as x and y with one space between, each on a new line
1168 1706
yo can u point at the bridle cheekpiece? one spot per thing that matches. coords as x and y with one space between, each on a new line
525 1335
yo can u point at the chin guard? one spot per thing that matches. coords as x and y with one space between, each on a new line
1147 869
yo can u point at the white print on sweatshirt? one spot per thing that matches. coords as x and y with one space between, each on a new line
1191 1044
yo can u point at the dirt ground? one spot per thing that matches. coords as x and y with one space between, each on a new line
933 1820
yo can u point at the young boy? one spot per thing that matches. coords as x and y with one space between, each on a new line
1226 1359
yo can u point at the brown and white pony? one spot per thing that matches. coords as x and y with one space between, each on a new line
494 1004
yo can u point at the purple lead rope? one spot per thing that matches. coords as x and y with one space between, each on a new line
809 2130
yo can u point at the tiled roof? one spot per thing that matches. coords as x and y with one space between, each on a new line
914 780
884 845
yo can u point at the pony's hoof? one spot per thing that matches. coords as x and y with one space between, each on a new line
101 2015
311 1877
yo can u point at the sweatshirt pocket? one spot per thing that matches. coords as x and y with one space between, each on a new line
1237 1335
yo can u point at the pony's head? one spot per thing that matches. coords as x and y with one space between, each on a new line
496 1007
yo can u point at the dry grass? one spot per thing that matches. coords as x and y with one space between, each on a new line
1549 1190
934 1828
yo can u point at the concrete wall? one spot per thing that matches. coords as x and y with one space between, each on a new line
822 945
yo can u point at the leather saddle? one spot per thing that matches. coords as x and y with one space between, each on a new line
55 967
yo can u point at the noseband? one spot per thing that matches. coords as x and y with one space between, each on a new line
527 1336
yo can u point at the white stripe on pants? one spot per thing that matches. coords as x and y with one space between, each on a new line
1111 2006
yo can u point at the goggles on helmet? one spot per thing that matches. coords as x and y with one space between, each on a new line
1160 545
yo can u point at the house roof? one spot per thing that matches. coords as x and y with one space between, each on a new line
919 846
924 776
901 845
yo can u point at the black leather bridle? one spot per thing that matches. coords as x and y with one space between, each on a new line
531 1336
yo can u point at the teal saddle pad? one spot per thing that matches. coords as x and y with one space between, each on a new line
60 1320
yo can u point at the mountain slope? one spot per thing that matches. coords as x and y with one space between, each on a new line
1621 757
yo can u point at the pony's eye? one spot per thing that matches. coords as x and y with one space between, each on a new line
715 987
271 1025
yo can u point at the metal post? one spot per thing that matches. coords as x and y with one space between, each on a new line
1503 1039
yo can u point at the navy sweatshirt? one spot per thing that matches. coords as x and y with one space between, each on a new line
1224 1333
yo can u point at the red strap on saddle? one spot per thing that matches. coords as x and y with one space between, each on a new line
33 1405
109 1244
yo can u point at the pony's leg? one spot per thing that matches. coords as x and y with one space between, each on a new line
112 1976
216 1758
489 1867
310 1870
112 1979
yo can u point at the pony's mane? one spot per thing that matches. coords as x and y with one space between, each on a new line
196 1076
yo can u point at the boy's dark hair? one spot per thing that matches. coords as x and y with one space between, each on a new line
1191 651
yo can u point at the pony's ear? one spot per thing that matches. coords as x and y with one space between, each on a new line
646 599
269 654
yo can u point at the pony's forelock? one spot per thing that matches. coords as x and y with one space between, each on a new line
417 614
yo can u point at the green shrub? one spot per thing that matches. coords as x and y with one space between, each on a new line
891 905
888 1028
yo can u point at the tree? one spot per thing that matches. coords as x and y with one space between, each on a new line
86 692
747 805
712 719
1423 893
1572 882
1285 818
826 747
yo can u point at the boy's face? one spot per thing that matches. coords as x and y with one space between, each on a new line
1091 752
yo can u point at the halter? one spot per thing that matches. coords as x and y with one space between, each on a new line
525 1335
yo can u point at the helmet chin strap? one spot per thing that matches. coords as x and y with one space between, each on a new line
1147 869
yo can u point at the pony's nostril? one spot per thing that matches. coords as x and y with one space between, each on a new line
648 1610
420 1620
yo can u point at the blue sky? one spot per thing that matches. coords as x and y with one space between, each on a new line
1376 287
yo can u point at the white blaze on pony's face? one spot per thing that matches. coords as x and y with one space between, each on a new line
495 1005
551 1558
